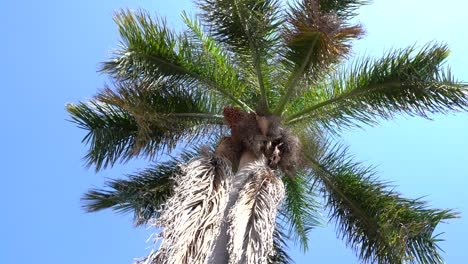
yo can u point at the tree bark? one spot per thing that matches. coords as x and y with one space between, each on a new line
220 253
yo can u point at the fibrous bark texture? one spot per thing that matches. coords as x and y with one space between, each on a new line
217 217
192 216
252 219
262 135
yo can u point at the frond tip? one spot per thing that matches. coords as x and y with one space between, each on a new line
375 221
142 193
406 81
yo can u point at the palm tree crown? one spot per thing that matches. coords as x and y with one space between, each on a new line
260 90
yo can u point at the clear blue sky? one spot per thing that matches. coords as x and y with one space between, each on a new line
50 54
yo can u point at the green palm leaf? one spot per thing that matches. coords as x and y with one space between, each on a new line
151 51
317 35
142 119
248 28
404 81
280 247
300 209
142 193
344 9
244 25
375 221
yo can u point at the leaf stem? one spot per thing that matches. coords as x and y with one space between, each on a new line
294 79
302 114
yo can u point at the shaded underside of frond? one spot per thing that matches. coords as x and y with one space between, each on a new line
142 119
300 210
252 219
244 25
407 81
280 247
376 222
142 193
192 216
343 8
248 29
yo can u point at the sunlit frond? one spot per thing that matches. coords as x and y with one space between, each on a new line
404 81
248 28
151 51
244 25
300 211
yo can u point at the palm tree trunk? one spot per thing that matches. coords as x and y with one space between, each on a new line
246 233
192 216
220 253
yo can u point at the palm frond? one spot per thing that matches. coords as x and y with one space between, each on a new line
151 51
244 25
252 219
141 119
317 35
112 132
192 216
344 9
280 247
300 210
142 193
403 81
247 27
221 56
373 219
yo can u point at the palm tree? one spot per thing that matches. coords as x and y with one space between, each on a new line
250 100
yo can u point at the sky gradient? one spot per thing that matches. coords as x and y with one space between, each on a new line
51 50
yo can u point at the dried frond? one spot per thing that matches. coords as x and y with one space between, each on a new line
321 36
193 215
316 39
252 220
289 150
230 150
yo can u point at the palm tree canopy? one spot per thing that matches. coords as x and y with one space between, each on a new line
286 63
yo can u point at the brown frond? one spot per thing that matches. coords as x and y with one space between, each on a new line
289 150
322 34
230 150
264 136
233 115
